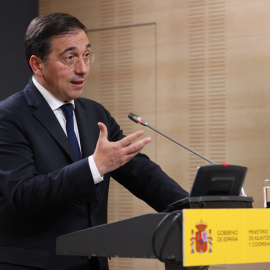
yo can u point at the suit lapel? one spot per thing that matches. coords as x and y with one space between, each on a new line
47 118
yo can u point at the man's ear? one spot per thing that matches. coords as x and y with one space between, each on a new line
37 65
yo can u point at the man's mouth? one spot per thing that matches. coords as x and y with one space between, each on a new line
77 82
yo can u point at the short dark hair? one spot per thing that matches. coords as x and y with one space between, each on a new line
37 39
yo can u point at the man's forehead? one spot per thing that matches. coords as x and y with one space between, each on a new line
73 40
88 46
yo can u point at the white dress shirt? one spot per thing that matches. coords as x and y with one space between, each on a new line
55 105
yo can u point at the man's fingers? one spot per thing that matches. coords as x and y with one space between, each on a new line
137 146
134 149
131 138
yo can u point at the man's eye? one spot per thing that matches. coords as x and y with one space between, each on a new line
87 55
70 59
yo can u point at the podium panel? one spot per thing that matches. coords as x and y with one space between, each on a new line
226 236
133 237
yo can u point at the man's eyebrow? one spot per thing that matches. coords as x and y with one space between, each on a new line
73 49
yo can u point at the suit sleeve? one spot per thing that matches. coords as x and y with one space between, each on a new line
26 188
148 182
145 179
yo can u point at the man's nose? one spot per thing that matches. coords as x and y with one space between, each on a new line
81 67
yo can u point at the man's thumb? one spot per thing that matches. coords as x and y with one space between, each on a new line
103 131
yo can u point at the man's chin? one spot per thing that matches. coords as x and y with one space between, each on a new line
75 93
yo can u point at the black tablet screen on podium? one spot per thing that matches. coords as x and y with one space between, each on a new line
218 179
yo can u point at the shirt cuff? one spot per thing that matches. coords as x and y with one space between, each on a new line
95 173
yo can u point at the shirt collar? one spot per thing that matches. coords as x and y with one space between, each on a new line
53 102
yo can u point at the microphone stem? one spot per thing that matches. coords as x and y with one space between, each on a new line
168 137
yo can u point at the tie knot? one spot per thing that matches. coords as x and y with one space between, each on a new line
67 110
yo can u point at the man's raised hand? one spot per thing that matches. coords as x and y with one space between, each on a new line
109 156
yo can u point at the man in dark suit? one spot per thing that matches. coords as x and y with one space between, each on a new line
47 188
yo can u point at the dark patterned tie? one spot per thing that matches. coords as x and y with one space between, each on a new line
68 112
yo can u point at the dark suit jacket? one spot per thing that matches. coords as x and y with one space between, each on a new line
46 192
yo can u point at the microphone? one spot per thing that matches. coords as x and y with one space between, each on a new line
139 120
